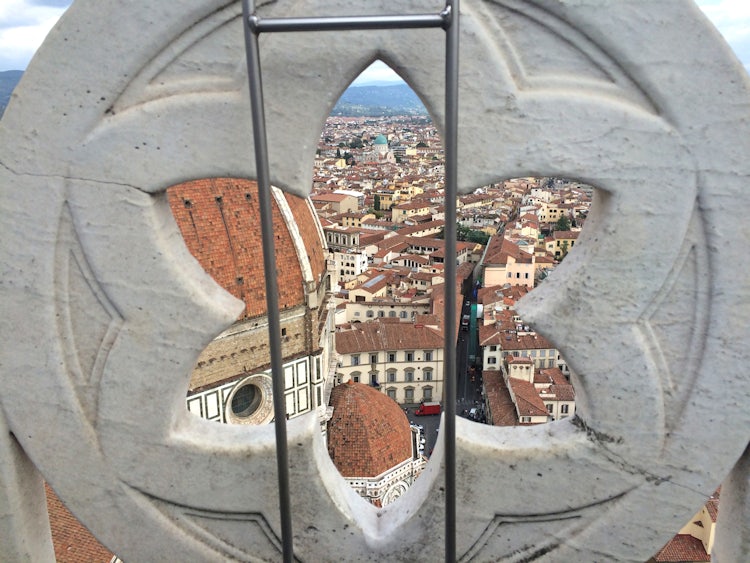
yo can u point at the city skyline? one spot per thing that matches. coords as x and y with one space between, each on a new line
25 23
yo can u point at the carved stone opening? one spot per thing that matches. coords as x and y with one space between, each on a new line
609 93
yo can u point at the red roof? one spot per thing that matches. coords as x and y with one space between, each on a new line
219 218
683 548
368 433
385 336
72 541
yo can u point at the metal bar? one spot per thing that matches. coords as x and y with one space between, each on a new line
269 264
344 23
451 192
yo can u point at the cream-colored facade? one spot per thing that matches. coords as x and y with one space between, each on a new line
512 271
403 360
405 211
363 312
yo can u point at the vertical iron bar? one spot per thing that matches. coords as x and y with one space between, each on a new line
451 192
269 264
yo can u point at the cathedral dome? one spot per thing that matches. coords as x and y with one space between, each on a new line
368 433
219 219
380 140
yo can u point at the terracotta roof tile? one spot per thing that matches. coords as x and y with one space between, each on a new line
219 220
387 336
499 402
528 402
72 541
368 433
683 548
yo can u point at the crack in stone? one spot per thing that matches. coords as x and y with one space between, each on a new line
603 439
75 179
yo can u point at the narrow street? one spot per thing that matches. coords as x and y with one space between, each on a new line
469 384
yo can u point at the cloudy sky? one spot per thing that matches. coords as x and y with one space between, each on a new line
25 23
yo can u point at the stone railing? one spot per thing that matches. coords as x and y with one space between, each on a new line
104 313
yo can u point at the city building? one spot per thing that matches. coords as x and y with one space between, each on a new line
695 541
403 360
505 262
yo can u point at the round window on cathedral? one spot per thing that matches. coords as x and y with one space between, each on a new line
246 400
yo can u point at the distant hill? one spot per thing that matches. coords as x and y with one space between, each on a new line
368 100
8 81
371 100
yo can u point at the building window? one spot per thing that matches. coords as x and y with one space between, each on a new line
391 356
370 314
391 376
542 353
549 408
356 313
246 400
493 348
373 358
374 379
533 353
427 393
402 314
355 359
391 313
409 394
525 419
491 360
428 375
409 375
410 356
564 409
391 393
428 355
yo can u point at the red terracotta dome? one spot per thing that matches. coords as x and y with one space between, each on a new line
368 433
219 219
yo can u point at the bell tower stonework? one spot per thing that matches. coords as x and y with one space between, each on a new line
105 312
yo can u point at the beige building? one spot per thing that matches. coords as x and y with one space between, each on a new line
559 243
340 203
695 541
403 361
504 262
405 211
387 308
354 219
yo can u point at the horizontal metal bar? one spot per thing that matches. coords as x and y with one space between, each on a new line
343 23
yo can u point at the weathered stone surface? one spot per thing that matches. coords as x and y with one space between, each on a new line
105 313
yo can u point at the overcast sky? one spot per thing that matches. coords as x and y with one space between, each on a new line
25 23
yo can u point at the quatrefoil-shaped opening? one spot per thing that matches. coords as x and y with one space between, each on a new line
369 241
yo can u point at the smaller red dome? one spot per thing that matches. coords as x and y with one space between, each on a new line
368 433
